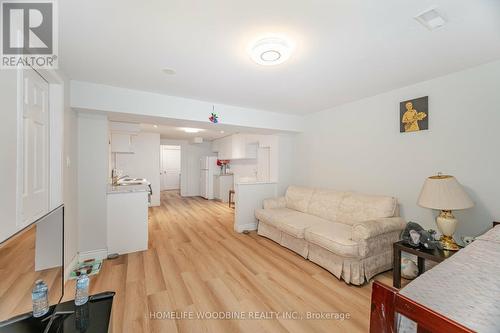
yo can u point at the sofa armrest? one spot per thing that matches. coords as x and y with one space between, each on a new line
368 229
274 203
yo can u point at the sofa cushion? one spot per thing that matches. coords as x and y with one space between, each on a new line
296 224
325 204
334 237
357 207
274 215
298 198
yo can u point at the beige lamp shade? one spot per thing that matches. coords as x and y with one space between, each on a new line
444 192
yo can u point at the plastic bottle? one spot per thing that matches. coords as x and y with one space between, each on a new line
82 289
40 298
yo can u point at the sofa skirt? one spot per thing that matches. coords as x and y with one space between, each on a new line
297 245
352 270
268 231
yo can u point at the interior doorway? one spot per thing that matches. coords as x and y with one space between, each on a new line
170 167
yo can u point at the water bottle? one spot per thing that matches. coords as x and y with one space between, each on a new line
40 298
82 289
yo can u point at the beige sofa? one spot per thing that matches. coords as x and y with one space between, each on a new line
349 234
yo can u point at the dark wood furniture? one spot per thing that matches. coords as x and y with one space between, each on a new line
421 253
231 198
387 302
496 223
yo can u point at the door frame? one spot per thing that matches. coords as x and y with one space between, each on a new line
163 147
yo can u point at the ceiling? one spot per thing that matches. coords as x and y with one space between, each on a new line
174 129
345 49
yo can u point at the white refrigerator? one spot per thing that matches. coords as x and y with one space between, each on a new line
209 168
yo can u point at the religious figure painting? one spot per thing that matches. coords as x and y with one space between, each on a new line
414 115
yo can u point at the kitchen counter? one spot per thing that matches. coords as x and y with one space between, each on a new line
127 218
222 185
248 197
114 189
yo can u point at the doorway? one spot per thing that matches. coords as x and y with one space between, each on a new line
170 167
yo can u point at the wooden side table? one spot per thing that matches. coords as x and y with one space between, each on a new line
421 253
495 224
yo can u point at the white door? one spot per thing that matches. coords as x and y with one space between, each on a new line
170 167
35 177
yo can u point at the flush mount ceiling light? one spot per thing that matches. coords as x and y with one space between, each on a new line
430 19
191 130
271 51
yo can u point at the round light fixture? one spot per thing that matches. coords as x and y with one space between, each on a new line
191 130
271 51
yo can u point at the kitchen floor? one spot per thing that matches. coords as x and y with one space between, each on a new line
196 265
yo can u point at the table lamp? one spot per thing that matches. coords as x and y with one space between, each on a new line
444 192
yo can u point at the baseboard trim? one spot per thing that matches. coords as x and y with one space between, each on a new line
95 254
243 227
67 269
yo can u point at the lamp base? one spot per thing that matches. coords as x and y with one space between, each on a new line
447 224
449 243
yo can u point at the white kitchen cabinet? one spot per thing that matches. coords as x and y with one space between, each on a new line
127 214
222 185
235 147
122 143
216 145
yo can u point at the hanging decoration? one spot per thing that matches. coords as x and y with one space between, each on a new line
214 118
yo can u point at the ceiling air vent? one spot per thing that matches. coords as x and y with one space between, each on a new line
430 19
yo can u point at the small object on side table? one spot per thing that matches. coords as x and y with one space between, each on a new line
415 236
435 255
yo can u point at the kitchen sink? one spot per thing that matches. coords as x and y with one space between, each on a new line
131 181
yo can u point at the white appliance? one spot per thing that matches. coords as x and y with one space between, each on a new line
208 166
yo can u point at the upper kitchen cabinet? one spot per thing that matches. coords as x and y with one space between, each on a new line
122 136
235 147
122 143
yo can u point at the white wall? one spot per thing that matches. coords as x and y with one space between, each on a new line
144 163
92 181
70 178
286 161
190 164
8 153
358 146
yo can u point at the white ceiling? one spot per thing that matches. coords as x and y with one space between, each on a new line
173 132
345 49
173 128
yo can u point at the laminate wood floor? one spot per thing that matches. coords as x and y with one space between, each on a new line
196 265
17 275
